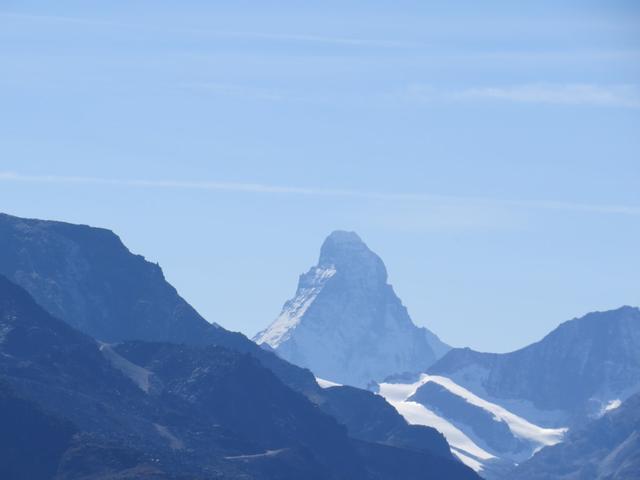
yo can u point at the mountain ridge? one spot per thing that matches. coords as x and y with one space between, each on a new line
29 245
574 367
607 448
212 412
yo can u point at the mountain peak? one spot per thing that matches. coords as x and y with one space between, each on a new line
339 245
346 323
347 253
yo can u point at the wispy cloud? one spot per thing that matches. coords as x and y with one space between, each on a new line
627 96
259 188
242 91
231 34
249 92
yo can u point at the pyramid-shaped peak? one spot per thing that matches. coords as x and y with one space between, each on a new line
346 251
346 323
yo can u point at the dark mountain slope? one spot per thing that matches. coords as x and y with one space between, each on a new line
605 449
31 441
87 277
92 458
369 417
159 410
48 362
36 445
577 368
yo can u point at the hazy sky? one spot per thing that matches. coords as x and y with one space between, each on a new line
488 151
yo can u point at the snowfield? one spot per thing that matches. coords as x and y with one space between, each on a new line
470 452
327 383
293 311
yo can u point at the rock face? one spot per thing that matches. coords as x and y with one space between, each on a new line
605 449
346 323
88 277
577 369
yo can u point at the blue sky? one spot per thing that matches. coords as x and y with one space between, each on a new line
489 153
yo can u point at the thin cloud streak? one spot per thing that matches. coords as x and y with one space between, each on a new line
627 96
258 188
225 89
286 37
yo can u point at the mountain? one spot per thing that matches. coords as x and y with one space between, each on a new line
497 410
486 436
369 417
37 445
87 277
604 449
346 323
485 425
43 256
202 412
575 371
31 441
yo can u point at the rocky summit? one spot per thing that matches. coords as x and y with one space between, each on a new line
345 322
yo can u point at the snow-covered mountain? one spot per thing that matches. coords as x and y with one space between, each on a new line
484 435
575 370
238 410
345 322
497 410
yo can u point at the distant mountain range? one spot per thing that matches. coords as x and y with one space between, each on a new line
152 390
107 373
497 410
576 370
346 323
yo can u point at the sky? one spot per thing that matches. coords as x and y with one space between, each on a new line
489 152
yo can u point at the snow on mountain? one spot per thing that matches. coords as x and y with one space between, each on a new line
462 446
346 323
293 311
326 383
519 426
479 446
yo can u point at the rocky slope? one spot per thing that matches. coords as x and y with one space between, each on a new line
88 277
575 371
346 323
204 412
605 449
41 256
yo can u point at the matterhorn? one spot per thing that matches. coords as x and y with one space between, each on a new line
345 322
